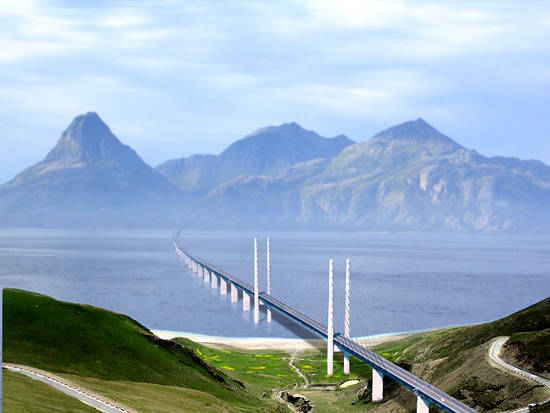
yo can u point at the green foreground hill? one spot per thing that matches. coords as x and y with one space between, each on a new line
456 360
85 341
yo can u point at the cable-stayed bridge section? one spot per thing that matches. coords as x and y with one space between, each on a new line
425 392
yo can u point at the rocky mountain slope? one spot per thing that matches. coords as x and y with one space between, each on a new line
265 152
88 176
408 177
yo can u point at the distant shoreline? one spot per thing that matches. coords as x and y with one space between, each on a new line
280 343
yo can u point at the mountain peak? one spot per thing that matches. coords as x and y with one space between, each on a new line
86 139
290 125
287 127
87 126
417 132
88 159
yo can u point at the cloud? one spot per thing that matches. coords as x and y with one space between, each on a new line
123 20
357 13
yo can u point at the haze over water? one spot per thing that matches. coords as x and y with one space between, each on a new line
400 282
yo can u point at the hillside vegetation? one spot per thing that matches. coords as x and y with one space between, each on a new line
456 360
45 399
86 341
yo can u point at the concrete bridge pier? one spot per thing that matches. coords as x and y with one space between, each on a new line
377 385
234 293
214 279
223 287
207 276
422 405
201 271
195 267
246 302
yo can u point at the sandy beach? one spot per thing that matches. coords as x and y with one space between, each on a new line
272 343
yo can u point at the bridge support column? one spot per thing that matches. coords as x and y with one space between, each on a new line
377 385
256 292
200 272
234 293
207 276
346 318
330 329
268 278
214 279
223 286
422 405
195 268
246 302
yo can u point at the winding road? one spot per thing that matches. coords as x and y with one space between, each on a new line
70 390
494 354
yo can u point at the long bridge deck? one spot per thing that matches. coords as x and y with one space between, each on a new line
420 387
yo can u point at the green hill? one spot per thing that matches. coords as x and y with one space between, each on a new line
456 360
86 341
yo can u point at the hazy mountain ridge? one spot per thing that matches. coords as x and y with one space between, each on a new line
266 151
86 152
408 177
88 178
411 177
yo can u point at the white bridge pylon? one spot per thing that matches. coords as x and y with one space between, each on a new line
330 321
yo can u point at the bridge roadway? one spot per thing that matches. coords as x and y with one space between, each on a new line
421 388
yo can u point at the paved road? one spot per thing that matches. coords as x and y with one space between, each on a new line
72 391
494 354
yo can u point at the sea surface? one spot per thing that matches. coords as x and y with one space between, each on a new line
399 281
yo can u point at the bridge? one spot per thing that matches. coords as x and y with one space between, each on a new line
425 392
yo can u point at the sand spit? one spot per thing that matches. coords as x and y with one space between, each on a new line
271 343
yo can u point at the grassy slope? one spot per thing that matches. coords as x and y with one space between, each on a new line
267 372
16 389
264 370
82 340
456 361
530 350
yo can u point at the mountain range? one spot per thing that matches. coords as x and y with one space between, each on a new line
407 177
265 152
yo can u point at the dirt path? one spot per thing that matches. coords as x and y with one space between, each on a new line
297 370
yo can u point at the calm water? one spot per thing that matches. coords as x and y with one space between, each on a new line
400 282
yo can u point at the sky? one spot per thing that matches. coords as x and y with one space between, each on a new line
174 78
